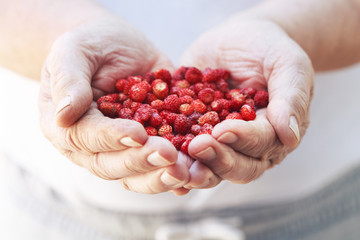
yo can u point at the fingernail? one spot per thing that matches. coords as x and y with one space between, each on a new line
207 154
128 141
228 137
169 180
64 103
156 159
294 127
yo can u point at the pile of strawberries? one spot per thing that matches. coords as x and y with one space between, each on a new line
180 106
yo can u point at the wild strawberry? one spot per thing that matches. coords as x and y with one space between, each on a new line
206 95
261 99
193 75
172 103
250 102
233 92
180 84
135 106
185 146
168 136
138 92
163 74
222 86
220 104
164 129
132 80
186 99
213 75
111 98
177 141
206 129
120 84
155 119
223 114
247 112
151 131
157 104
179 74
193 118
182 125
160 88
149 77
168 116
127 103
122 97
143 113
234 115
198 87
186 109
110 109
195 129
237 101
199 106
211 118
218 95
185 92
249 92
126 113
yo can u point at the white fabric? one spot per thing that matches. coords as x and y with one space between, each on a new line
330 146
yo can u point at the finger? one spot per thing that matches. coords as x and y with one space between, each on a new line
201 177
69 73
165 179
290 91
254 138
129 162
225 162
163 62
92 133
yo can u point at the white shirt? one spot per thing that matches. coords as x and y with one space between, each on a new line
330 146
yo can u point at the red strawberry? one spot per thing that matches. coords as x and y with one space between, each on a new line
163 74
120 84
206 129
185 92
155 119
138 92
213 75
157 104
199 106
164 129
186 109
247 112
185 146
151 131
160 88
211 118
193 75
234 115
206 95
111 98
172 103
177 141
179 74
126 113
182 125
110 109
261 99
249 92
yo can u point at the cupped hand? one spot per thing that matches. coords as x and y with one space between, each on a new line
84 64
259 54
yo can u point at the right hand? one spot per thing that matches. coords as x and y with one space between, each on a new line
84 64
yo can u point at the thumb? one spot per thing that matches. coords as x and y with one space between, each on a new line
69 74
290 93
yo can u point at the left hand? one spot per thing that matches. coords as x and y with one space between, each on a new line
261 55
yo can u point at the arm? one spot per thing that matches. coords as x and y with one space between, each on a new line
28 29
273 46
328 30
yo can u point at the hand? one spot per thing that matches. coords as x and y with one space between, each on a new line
84 64
258 54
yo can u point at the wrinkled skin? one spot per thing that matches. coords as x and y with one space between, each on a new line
83 65
258 54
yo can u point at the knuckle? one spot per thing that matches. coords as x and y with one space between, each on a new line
98 167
